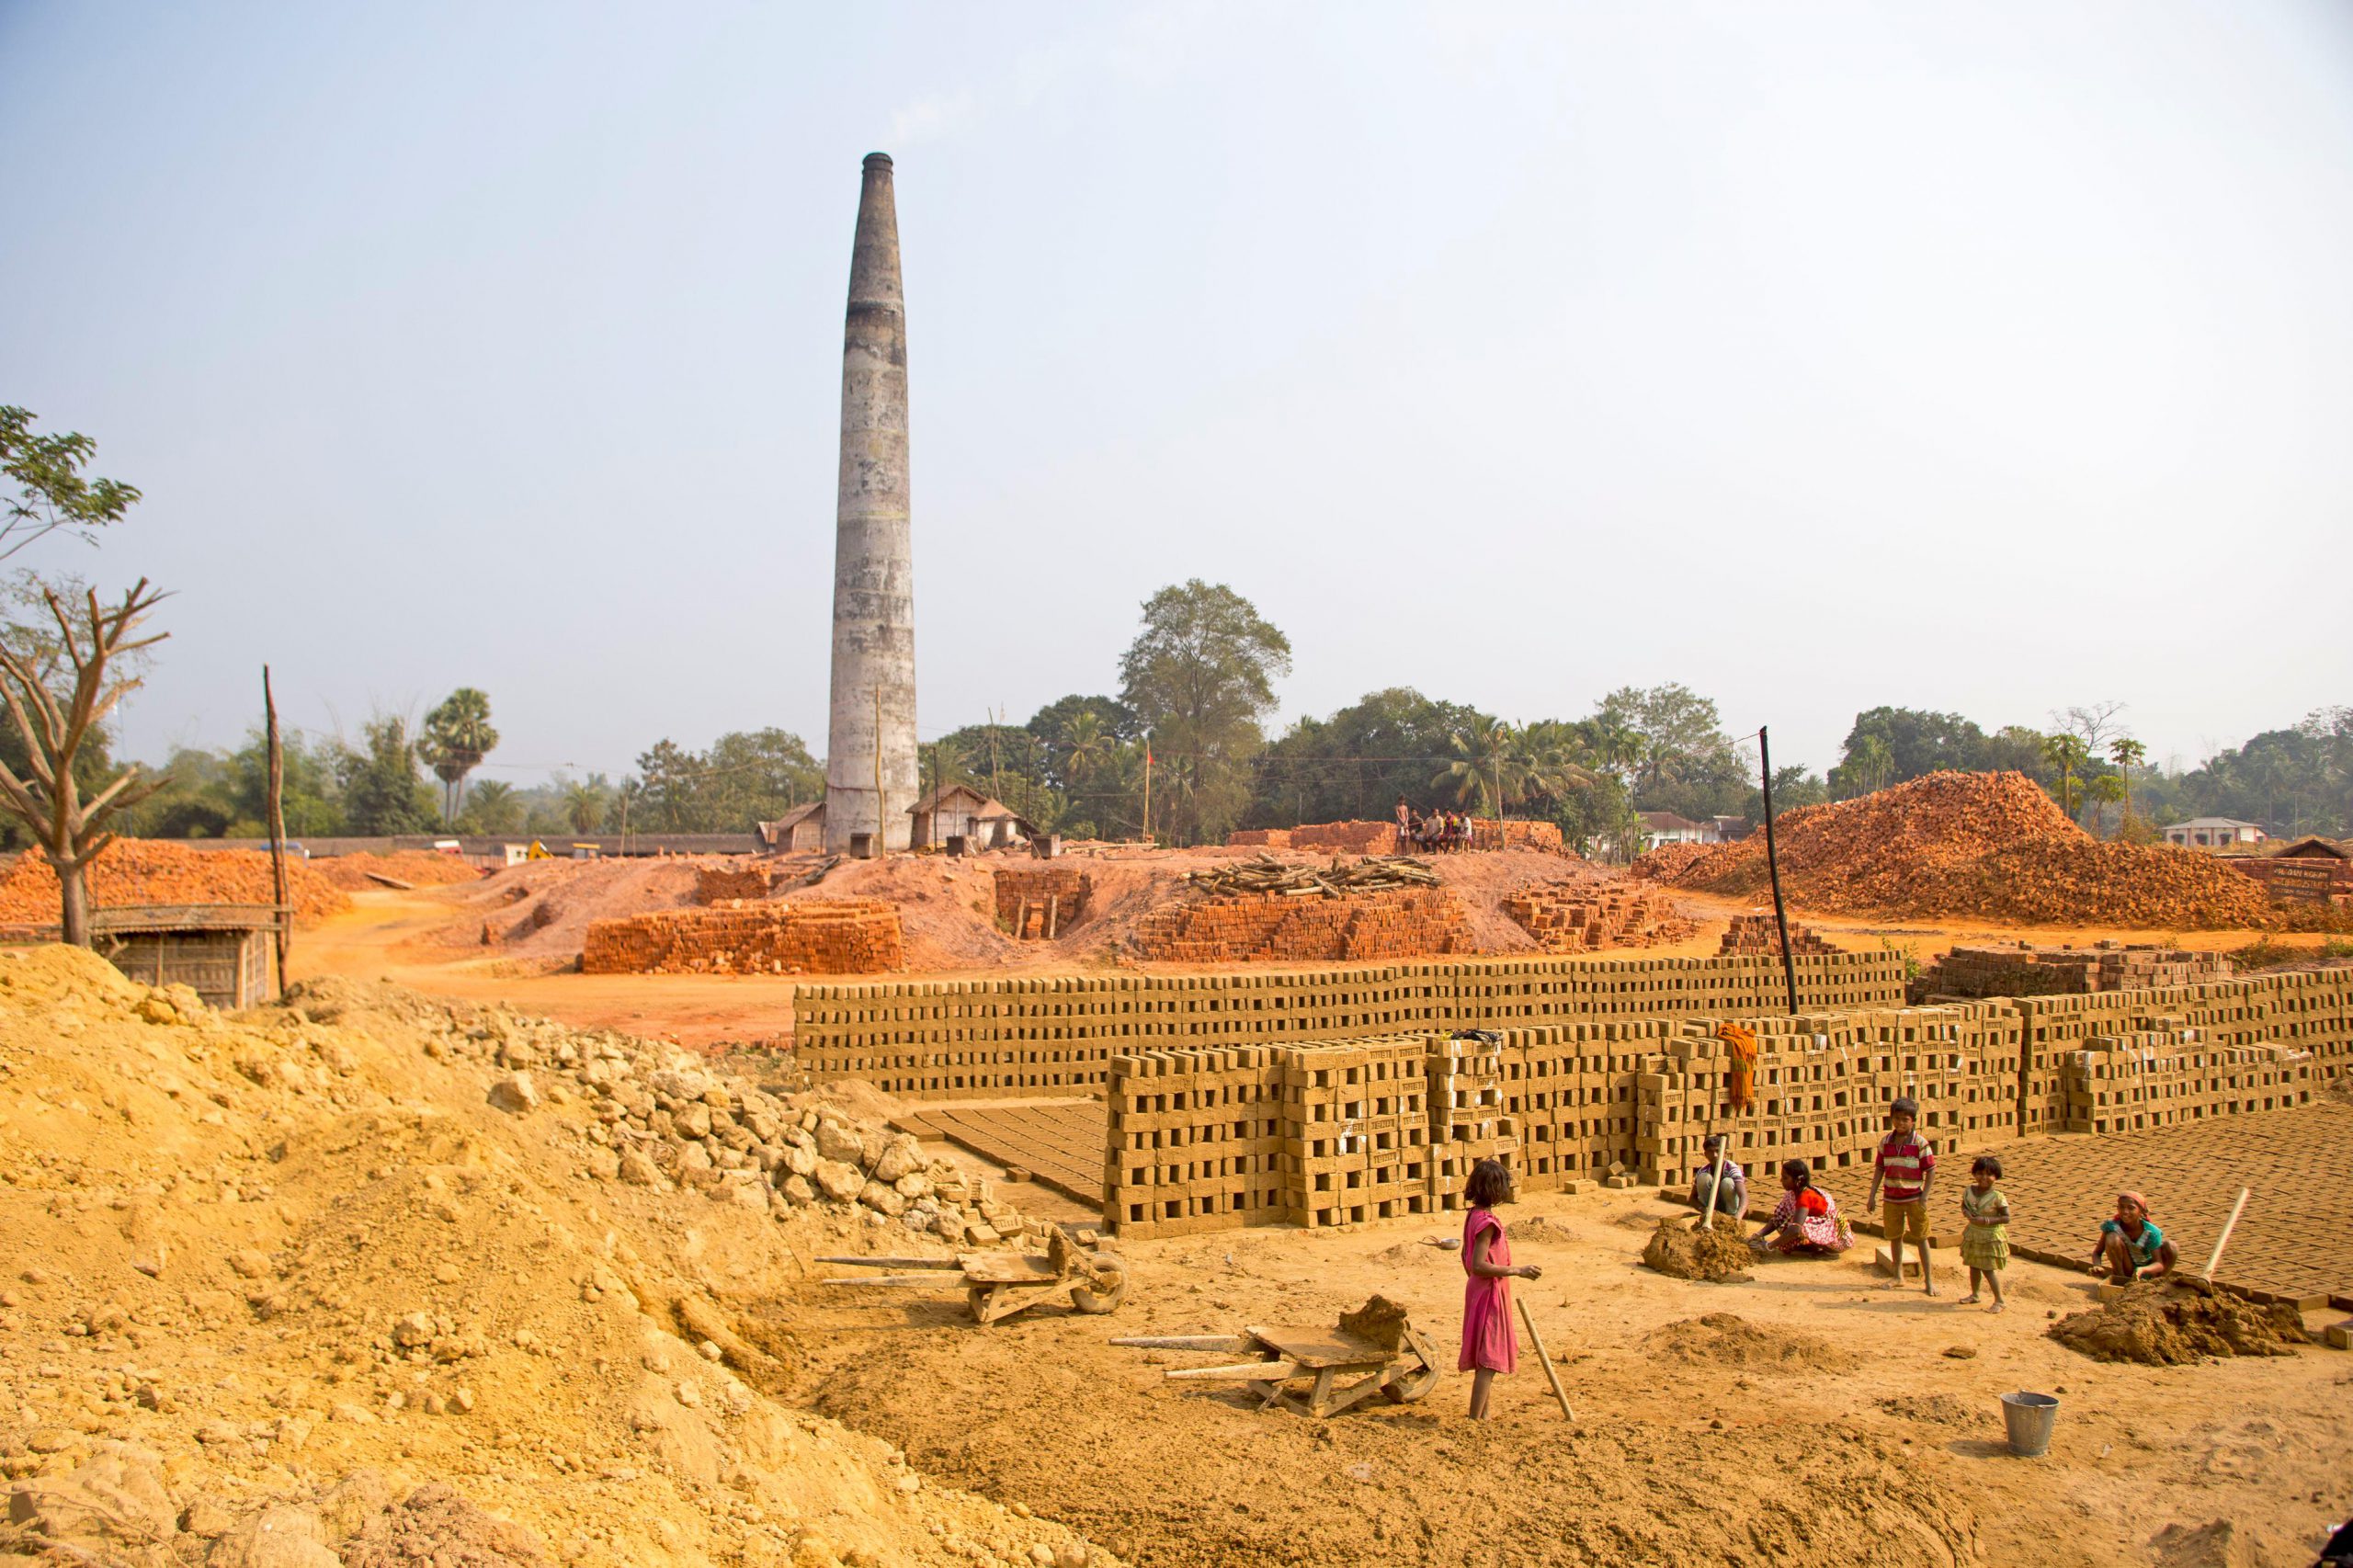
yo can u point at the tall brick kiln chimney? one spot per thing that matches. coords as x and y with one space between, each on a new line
871 739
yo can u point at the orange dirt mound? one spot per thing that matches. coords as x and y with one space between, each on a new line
419 867
154 871
1988 844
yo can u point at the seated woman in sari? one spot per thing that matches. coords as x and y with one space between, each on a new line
1806 1223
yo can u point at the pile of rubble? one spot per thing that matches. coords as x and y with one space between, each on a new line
148 870
1584 915
1988 844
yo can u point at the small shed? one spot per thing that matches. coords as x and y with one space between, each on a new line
803 827
960 810
226 952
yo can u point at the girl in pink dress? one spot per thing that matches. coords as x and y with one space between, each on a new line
1490 1344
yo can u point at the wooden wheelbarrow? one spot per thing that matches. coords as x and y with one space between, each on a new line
1341 1369
999 1284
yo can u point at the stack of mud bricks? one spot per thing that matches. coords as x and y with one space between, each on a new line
2163 1077
1035 905
850 936
1355 1130
1575 915
1539 836
1822 1085
1194 1141
1259 927
1570 1090
1469 1119
2065 971
946 1040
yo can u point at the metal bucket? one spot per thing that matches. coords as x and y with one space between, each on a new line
2029 1417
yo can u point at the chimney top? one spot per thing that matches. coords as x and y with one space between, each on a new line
878 159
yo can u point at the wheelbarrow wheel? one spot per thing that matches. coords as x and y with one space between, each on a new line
1087 1300
1407 1387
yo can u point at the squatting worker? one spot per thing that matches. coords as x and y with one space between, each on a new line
1731 1197
1490 1342
2131 1246
1904 1167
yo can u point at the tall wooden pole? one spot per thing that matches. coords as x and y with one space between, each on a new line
878 773
277 828
1147 789
1773 869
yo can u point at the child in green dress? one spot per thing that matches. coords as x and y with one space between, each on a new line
1985 1237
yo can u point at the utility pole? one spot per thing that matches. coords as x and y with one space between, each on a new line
277 830
1773 869
879 845
1147 789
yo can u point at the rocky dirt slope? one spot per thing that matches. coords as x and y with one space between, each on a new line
371 1279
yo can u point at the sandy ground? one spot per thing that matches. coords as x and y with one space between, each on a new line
1809 1415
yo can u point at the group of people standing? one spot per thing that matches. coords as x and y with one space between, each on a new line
1806 1223
1440 833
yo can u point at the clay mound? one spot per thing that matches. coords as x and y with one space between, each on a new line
419 867
1668 861
2169 1323
1380 1320
1723 1339
1685 1252
1989 845
156 870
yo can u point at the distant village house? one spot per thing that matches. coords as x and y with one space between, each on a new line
2214 833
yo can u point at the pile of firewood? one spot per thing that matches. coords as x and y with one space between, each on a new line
1263 873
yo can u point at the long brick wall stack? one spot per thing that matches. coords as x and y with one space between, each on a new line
813 937
1585 914
1762 933
2163 1077
964 1039
725 884
1263 927
1036 902
1572 1100
2025 971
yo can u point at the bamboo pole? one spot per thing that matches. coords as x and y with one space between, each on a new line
278 829
2224 1239
1551 1375
1773 867
1707 1218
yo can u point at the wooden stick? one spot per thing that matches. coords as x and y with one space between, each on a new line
1233 1343
932 1279
1707 1218
1773 869
2224 1240
892 1262
1550 1376
1244 1372
277 830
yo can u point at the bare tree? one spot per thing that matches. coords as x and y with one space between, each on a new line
71 831
2095 726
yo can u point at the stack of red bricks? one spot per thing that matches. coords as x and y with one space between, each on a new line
2316 876
1249 927
848 936
725 884
1583 915
1034 905
2128 1082
1539 836
1340 837
1760 934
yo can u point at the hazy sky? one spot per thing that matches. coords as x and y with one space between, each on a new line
1990 358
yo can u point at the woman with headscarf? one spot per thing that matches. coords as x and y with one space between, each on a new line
1807 1222
2131 1246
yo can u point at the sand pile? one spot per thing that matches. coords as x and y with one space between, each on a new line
419 867
371 1279
1989 845
2167 1323
1680 1248
156 870
1725 1340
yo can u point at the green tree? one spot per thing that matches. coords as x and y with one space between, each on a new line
2127 754
2067 756
1359 763
584 802
492 806
51 493
382 795
1870 764
457 736
2107 790
1200 676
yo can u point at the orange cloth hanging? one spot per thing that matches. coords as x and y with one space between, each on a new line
1740 1081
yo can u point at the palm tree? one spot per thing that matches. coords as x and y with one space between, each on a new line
491 806
1086 744
583 804
457 736
2108 790
1483 767
2068 754
1871 762
2128 754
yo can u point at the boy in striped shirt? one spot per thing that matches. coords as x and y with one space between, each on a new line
1903 1169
